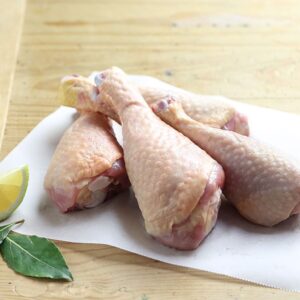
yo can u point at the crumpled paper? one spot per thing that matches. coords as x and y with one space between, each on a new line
236 248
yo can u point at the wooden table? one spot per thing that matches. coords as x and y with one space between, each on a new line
246 50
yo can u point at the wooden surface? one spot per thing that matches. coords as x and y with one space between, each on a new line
11 20
247 50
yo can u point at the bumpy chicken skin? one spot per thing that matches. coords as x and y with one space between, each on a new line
177 185
214 111
87 165
262 184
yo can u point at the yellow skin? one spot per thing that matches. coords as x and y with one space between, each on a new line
262 184
169 174
86 150
214 111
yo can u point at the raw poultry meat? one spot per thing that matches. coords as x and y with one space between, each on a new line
87 166
215 111
262 184
177 185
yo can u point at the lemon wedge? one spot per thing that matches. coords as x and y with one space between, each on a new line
13 186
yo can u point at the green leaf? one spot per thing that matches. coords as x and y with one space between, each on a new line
34 256
4 230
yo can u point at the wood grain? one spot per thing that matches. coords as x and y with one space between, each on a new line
11 21
247 50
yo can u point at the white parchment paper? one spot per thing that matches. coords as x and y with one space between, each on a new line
237 248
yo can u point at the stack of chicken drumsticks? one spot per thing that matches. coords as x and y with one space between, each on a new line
181 154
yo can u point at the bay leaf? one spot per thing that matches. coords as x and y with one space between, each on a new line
34 256
4 230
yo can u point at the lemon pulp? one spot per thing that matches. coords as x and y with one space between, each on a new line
13 186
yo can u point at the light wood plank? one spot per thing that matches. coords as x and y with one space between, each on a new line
11 21
247 50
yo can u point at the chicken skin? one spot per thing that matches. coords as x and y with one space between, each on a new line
177 185
262 184
87 166
211 110
215 111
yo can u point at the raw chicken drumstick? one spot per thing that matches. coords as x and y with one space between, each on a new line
87 166
261 184
214 111
177 185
